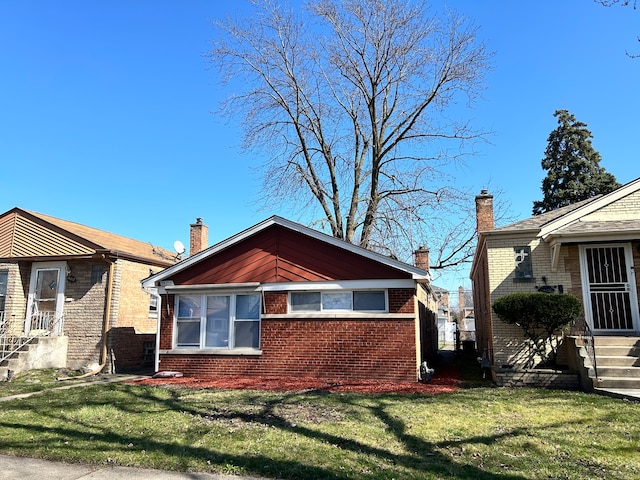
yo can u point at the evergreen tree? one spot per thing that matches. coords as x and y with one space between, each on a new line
573 166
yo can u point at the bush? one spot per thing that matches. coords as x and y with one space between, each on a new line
542 316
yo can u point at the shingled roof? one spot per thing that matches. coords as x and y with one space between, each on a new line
539 221
29 235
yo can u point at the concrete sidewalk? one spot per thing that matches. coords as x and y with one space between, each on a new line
19 468
97 380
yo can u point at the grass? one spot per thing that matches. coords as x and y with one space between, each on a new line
475 433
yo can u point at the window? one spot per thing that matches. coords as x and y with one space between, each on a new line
4 276
356 300
524 268
218 321
153 306
97 271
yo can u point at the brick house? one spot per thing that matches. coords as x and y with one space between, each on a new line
281 299
590 249
73 294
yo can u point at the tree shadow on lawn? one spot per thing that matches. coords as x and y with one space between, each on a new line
426 460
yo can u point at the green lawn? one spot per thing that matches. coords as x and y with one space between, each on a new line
476 433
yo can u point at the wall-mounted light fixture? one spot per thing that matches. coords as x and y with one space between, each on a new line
70 278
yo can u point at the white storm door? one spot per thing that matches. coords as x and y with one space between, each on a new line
46 297
608 283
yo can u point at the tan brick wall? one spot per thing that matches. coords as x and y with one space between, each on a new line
482 302
509 346
84 313
131 326
131 301
624 209
16 296
85 307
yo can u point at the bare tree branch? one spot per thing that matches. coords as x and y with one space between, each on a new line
348 101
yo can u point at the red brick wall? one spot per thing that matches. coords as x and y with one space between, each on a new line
333 349
129 349
276 302
166 323
401 301
345 349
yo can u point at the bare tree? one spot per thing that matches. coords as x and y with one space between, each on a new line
353 103
622 3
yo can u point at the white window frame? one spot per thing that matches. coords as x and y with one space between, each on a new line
153 306
203 320
61 269
326 293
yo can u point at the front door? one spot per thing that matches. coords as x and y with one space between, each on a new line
608 283
46 297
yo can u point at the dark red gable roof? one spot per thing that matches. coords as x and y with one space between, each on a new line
278 254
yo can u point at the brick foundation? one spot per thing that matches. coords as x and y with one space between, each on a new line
540 378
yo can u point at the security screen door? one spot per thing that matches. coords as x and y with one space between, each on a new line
610 297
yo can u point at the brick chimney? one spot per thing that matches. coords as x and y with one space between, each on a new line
421 256
484 212
198 237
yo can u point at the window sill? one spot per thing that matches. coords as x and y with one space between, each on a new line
340 315
212 351
524 280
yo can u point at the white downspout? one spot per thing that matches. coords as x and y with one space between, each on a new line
156 353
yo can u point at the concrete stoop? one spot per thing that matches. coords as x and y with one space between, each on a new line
42 352
618 362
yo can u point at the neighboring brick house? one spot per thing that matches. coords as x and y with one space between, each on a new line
77 286
281 299
590 249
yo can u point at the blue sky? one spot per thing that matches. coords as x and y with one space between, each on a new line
107 110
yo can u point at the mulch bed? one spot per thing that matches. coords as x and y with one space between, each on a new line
445 380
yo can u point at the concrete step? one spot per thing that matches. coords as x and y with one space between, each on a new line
16 355
618 371
618 361
8 362
618 383
629 341
617 351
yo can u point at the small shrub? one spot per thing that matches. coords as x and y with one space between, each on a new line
542 316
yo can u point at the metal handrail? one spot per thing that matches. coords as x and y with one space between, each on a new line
581 329
42 324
